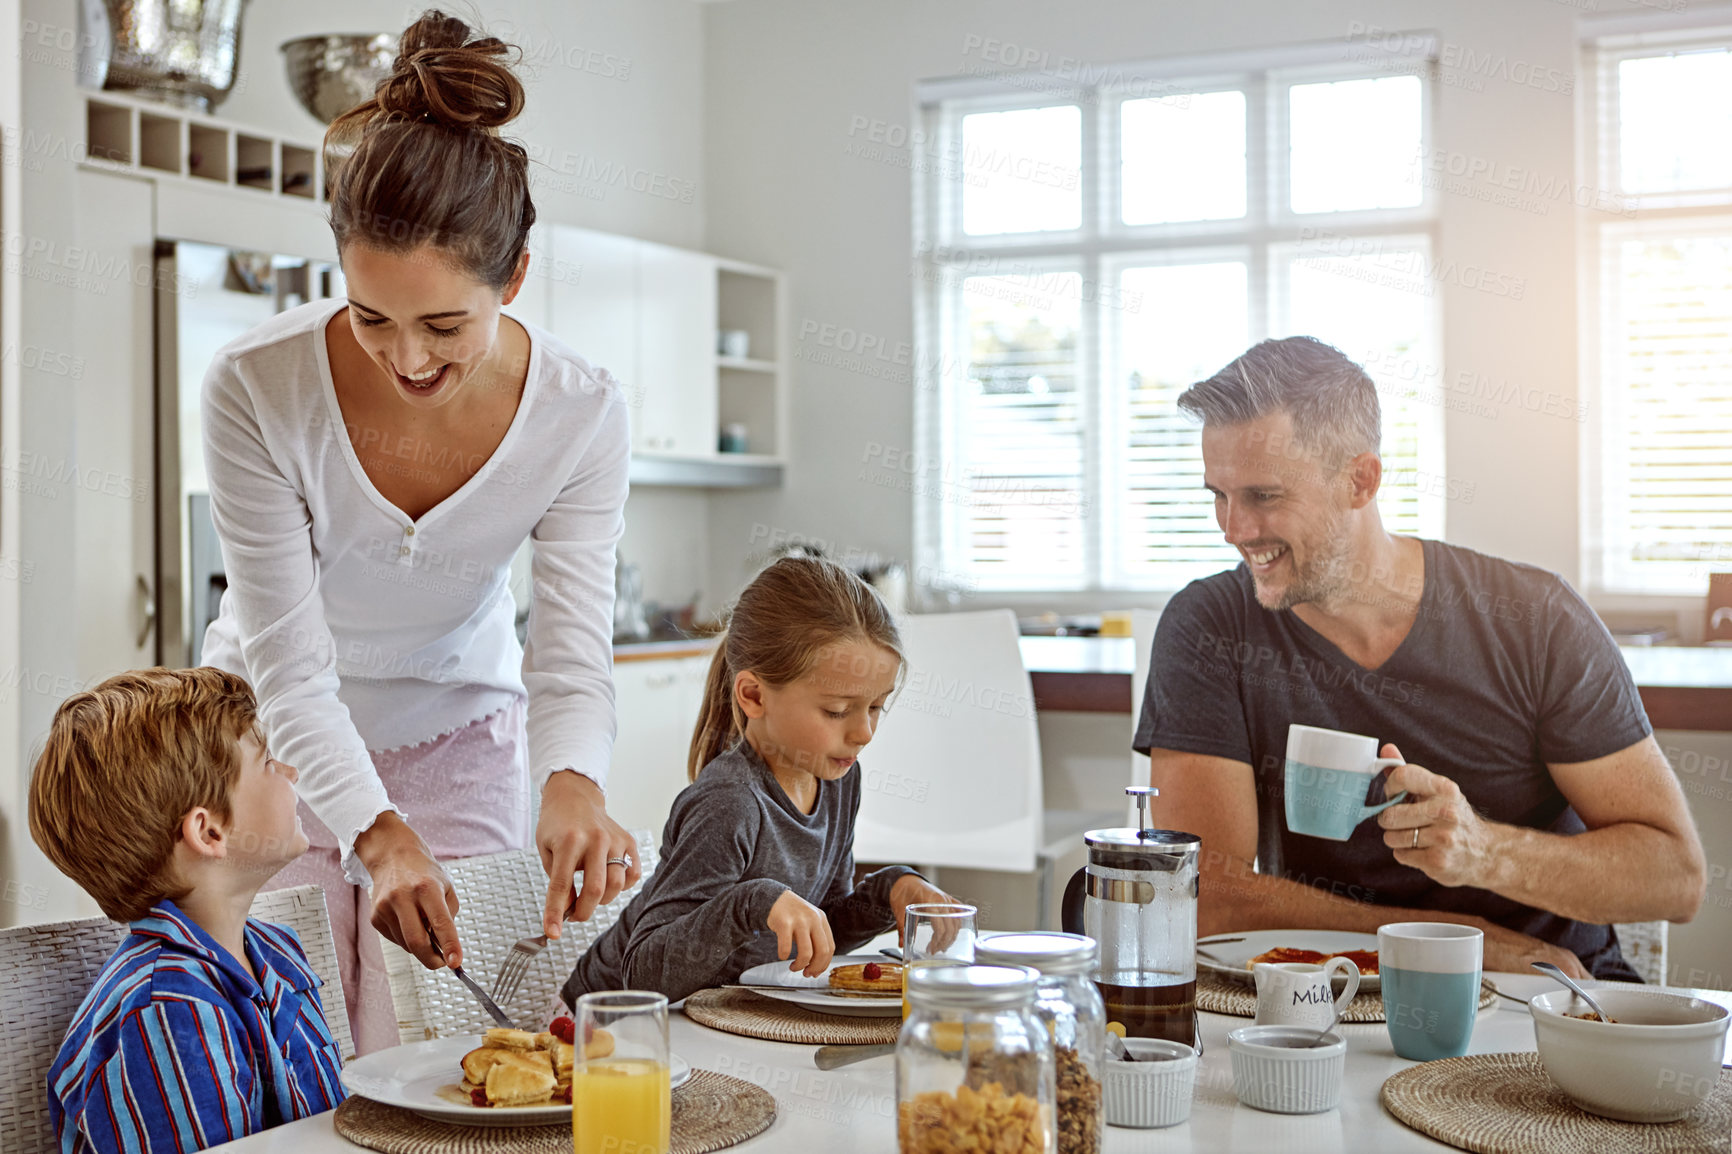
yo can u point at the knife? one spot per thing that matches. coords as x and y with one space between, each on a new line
487 1003
830 1057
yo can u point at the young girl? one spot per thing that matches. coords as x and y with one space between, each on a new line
757 858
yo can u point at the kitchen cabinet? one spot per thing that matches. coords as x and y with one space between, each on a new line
656 703
109 382
592 302
676 353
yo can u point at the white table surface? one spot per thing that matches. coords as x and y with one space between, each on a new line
854 1108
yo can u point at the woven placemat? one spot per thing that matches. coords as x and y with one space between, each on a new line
743 1012
710 1112
1220 995
1506 1104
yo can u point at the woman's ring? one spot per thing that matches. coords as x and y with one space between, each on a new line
626 861
1415 837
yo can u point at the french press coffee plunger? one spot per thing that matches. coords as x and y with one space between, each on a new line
1137 897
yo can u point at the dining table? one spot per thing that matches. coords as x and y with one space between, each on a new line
852 1109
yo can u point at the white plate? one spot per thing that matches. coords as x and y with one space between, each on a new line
411 1076
1229 959
828 1003
773 980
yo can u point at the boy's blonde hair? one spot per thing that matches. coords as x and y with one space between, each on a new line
782 621
123 764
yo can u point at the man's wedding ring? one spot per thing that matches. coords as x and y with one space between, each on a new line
626 861
1415 837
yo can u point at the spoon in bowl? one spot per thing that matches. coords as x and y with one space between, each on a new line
1117 1049
1552 971
1334 1020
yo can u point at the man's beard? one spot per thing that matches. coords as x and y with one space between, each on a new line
1324 576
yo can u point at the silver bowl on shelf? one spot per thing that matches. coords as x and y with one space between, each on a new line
331 74
183 52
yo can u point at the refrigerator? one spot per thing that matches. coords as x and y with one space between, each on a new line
206 296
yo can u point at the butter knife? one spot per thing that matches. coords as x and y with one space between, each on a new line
830 1057
487 1003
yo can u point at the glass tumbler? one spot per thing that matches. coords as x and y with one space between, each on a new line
935 933
621 1099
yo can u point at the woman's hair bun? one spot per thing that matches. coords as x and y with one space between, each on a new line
446 74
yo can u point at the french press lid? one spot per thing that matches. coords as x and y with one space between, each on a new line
1141 847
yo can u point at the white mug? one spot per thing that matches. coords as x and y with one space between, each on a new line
1297 993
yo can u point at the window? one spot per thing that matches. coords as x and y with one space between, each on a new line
1086 254
1659 515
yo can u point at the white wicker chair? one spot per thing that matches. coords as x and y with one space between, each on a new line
47 969
500 899
1644 947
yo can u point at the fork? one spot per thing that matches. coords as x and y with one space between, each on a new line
488 1004
516 965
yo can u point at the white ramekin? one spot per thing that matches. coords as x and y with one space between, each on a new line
1146 1094
1284 1079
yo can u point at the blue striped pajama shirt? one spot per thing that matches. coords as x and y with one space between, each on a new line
177 1048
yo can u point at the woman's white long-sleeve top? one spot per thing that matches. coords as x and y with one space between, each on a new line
361 628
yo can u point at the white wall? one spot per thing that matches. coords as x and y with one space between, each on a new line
787 78
610 83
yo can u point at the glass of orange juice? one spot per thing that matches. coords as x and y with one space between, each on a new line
935 933
621 1101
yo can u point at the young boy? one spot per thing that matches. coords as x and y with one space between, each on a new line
155 794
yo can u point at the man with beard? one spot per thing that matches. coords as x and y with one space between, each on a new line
1539 808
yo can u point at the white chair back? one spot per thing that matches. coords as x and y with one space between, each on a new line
953 775
500 899
1644 947
46 970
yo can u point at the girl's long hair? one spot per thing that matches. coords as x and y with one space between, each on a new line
777 629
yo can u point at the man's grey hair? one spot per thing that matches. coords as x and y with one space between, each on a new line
1333 402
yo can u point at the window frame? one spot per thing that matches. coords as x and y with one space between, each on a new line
1657 214
1104 245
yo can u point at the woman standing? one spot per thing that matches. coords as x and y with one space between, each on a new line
375 463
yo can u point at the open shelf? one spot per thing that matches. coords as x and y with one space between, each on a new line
298 165
207 152
108 132
750 390
255 162
159 141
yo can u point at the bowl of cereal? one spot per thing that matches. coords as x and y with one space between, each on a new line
1657 1060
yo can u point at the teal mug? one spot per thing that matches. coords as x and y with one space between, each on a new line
1328 776
1430 975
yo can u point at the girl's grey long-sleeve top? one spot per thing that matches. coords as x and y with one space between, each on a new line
733 843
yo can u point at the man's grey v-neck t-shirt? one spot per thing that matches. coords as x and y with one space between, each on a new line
1505 671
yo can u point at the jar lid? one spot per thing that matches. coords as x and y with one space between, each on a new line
1049 952
971 987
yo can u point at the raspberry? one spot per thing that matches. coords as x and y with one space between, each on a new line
872 972
564 1029
478 1096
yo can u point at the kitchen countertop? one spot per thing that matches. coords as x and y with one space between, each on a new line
1682 686
662 649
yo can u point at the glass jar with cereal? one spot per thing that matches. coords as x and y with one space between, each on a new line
974 1063
1067 1000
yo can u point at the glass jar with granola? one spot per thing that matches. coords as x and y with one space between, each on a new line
974 1063
1067 1000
